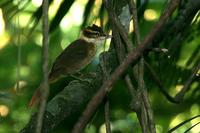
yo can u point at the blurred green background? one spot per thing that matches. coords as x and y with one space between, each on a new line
20 51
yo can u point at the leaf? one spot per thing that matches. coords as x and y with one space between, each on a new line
62 11
36 18
87 12
182 123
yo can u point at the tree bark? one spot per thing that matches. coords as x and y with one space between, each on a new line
73 99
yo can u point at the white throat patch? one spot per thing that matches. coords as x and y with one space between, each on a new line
94 40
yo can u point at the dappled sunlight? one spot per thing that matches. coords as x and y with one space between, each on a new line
2 23
195 109
53 8
197 127
131 28
24 71
176 120
97 22
74 16
21 30
36 3
182 117
23 19
4 40
4 110
159 128
196 18
198 73
4 37
38 39
126 125
90 129
102 129
22 84
178 87
150 15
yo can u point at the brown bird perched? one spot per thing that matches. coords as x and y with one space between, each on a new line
75 57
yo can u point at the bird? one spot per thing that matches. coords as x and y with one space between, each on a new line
76 56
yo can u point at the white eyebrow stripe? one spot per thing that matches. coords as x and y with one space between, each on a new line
92 31
95 31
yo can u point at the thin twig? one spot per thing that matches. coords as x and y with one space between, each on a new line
135 21
123 34
118 32
182 123
45 85
107 115
135 102
192 127
179 97
18 50
129 46
121 55
159 83
106 75
149 112
142 116
140 66
148 121
138 73
132 57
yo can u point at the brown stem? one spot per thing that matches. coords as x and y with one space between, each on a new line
131 58
180 95
45 85
147 113
159 83
107 116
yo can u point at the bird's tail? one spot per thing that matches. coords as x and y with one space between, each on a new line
35 98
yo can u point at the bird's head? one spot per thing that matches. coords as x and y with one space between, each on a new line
94 34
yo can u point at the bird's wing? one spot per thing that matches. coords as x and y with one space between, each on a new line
75 53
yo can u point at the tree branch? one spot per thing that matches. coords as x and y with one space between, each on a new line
131 58
180 95
45 84
147 120
107 115
159 83
71 101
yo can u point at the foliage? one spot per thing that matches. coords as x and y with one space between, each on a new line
67 17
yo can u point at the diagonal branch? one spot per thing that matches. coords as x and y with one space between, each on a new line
71 101
147 120
159 83
180 95
132 58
